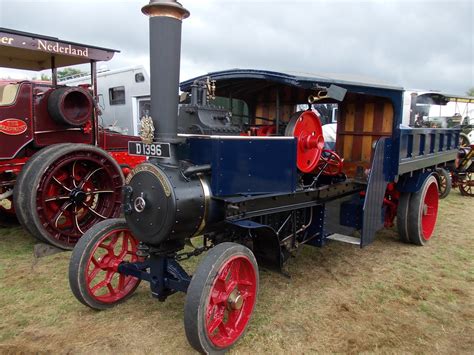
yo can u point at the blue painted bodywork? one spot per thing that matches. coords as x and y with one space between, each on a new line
375 193
423 147
315 233
413 182
245 166
269 166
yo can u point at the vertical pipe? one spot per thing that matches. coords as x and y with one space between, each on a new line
165 53
278 111
95 98
413 98
54 71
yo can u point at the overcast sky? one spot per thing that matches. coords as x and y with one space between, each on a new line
425 44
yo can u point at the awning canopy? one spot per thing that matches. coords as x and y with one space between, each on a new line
29 51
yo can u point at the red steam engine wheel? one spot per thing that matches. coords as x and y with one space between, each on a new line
306 127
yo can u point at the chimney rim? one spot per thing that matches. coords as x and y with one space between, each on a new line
166 8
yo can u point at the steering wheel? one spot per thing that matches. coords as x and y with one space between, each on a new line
330 163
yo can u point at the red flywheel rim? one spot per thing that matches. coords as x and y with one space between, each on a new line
231 301
309 133
102 269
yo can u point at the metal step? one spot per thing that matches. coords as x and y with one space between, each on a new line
344 238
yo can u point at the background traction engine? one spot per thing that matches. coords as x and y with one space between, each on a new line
60 173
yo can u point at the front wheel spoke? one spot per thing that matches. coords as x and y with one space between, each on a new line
224 331
235 270
216 321
94 272
218 297
121 283
124 251
105 246
97 263
245 283
113 242
230 286
111 289
99 286
93 211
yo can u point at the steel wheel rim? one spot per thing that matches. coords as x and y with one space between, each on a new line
429 211
102 274
231 301
67 207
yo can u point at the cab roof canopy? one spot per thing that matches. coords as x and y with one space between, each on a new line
247 84
29 51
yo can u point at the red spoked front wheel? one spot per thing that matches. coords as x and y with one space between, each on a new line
93 269
76 186
221 298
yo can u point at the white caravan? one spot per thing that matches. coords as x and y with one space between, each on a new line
124 97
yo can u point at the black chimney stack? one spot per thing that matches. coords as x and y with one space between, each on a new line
166 18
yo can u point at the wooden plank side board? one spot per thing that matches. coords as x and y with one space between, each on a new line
347 124
363 120
268 110
387 118
358 127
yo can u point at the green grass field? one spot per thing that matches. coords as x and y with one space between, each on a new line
389 297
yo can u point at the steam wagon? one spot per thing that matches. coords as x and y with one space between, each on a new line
255 187
60 172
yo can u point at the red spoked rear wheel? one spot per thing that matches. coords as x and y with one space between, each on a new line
330 163
423 212
93 271
77 187
221 298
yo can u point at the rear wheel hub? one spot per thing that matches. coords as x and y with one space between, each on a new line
78 196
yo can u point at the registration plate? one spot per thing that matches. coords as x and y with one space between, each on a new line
156 150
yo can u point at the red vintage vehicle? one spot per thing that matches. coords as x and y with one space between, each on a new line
60 172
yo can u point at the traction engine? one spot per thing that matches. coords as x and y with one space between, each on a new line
60 172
